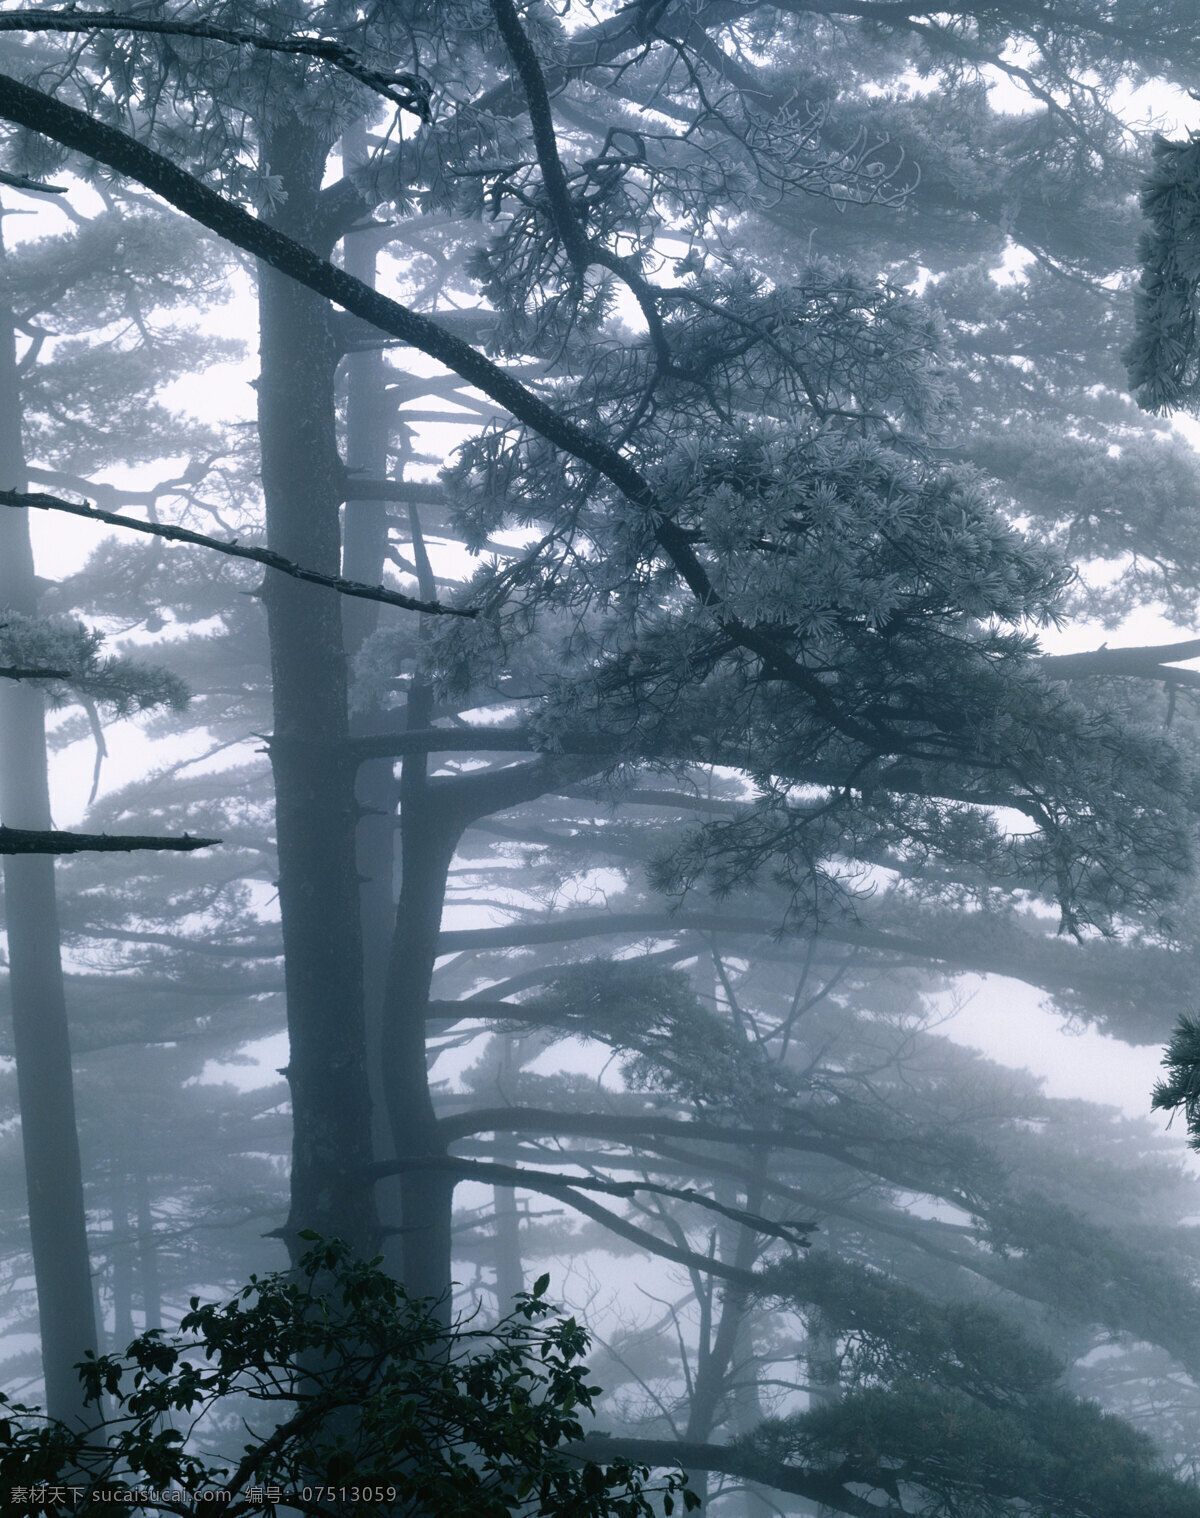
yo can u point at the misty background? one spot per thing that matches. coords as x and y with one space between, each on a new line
752 880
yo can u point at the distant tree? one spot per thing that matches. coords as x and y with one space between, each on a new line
64 305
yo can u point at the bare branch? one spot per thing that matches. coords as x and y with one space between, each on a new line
51 841
267 556
17 672
545 1180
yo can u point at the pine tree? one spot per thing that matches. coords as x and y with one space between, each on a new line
870 564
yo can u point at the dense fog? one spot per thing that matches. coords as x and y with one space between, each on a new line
600 758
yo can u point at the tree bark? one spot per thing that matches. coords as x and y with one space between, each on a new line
147 1249
314 786
429 836
121 1248
510 1271
45 1085
364 549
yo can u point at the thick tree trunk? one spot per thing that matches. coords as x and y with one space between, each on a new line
314 785
62 1269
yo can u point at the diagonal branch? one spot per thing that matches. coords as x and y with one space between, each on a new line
17 672
406 91
82 133
622 1227
541 121
580 248
235 550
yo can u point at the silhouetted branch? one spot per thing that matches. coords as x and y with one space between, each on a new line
84 134
546 1181
541 120
267 556
1155 661
566 1191
16 672
51 841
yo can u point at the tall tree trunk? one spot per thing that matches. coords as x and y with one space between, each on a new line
429 837
57 1220
314 780
364 551
746 1413
147 1250
824 1367
510 1271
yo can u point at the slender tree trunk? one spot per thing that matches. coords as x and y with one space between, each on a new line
314 780
45 1087
364 551
147 1251
429 838
510 1267
746 1413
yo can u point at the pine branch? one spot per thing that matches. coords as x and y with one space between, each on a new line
17 672
405 91
51 841
571 926
541 120
580 248
658 1135
267 556
82 133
